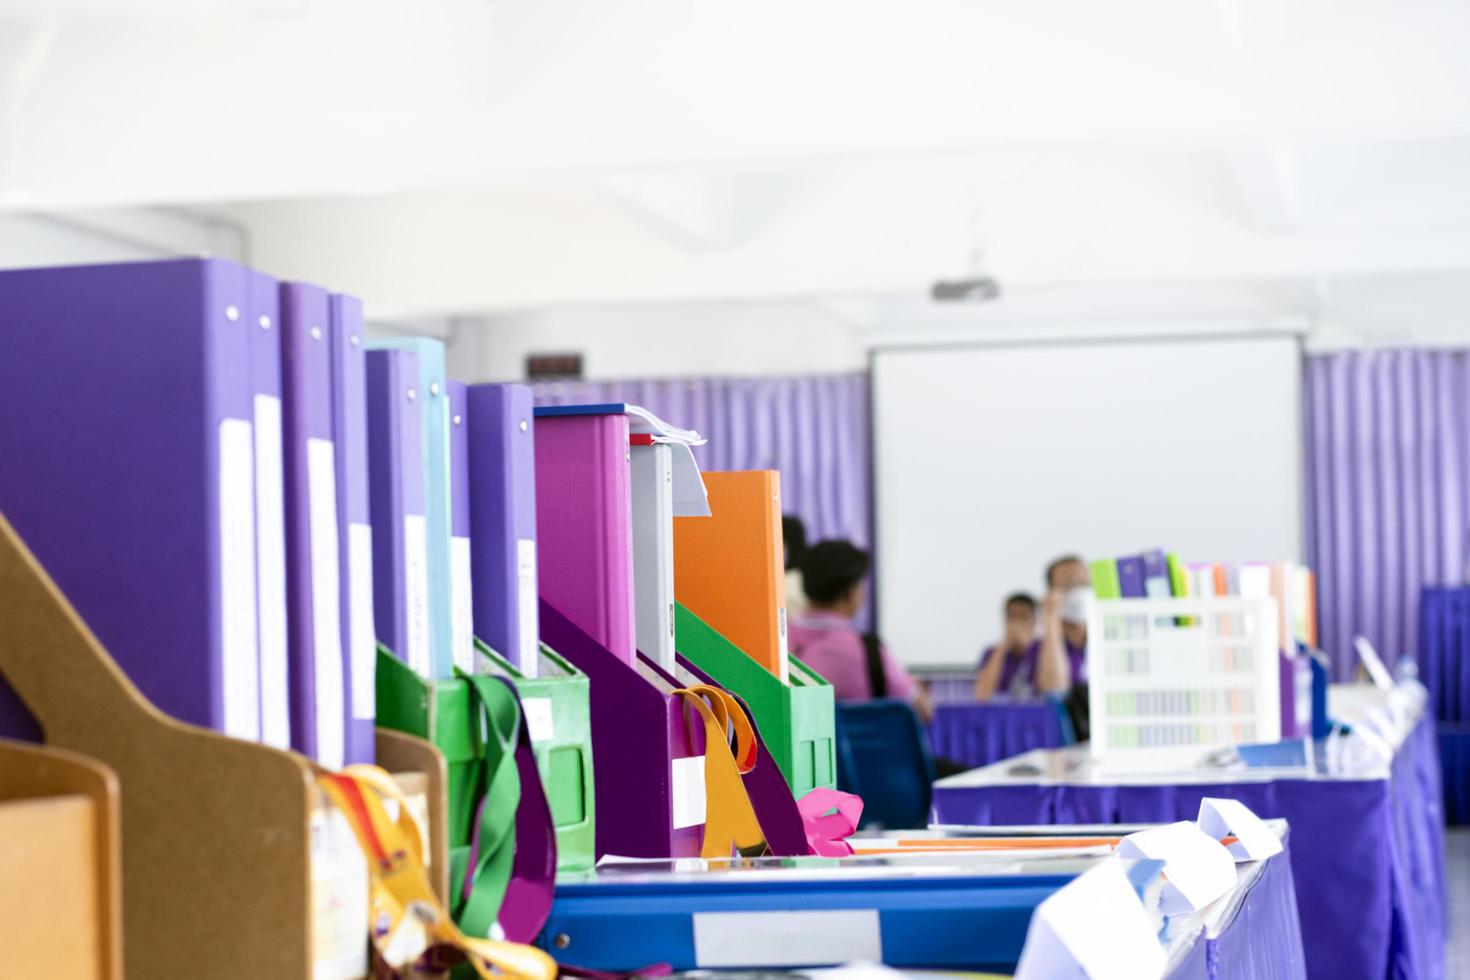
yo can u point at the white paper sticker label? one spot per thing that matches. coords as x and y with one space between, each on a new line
1095 926
339 898
688 790
326 604
1221 818
270 574
786 938
461 605
538 719
416 585
530 616
239 650
1197 867
361 622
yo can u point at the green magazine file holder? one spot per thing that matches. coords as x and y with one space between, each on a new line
441 712
558 716
796 721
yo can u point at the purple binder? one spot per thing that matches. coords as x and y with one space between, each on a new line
354 526
461 554
1130 577
263 323
502 481
641 743
584 525
313 593
1156 583
126 435
396 499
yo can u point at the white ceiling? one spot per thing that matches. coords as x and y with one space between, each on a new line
1260 161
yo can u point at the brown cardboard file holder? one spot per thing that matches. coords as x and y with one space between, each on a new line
61 902
215 831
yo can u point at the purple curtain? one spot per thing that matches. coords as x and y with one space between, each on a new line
813 429
1388 464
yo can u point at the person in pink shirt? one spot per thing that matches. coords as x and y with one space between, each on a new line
833 574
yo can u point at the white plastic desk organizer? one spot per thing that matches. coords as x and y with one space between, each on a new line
1171 680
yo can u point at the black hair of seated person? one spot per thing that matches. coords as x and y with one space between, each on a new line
793 535
830 569
1020 599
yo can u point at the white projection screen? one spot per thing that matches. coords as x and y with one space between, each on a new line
990 461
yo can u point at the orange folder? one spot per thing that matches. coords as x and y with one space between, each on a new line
729 568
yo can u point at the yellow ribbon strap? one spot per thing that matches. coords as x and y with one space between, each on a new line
730 823
408 923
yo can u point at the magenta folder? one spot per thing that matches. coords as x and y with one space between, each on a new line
126 436
649 762
584 526
263 324
354 526
313 578
502 484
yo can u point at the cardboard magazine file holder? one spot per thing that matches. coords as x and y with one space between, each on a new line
558 717
216 831
649 776
796 720
59 824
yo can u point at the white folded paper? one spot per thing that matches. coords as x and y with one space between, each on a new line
1254 841
1197 867
1093 927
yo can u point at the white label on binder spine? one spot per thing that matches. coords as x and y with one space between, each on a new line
539 724
416 585
270 574
529 619
239 678
326 604
461 611
787 938
688 791
360 611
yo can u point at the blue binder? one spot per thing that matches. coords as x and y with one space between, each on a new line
932 911
434 404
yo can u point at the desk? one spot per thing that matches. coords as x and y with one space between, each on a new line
976 734
1367 853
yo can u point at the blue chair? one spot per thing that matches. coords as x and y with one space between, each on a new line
883 756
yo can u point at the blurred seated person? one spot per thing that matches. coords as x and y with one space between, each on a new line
1009 667
1062 663
823 636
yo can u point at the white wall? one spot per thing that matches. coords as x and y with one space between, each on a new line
668 341
992 461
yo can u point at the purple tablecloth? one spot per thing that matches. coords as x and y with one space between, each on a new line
975 734
1257 938
1367 854
1444 651
1262 940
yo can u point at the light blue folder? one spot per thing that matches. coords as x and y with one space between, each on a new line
434 400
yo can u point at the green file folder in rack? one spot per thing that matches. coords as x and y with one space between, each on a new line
795 720
442 713
559 719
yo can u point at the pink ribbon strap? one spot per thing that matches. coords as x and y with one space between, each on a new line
825 832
